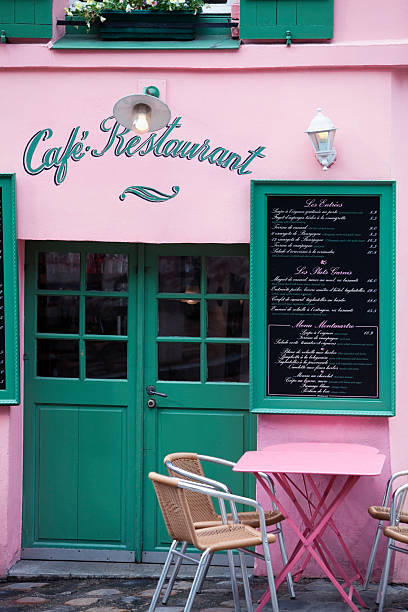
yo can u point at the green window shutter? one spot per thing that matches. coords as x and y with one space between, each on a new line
272 19
26 18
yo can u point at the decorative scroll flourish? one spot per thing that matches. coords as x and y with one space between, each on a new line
148 193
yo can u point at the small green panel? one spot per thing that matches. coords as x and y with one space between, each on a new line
57 472
210 41
208 432
101 473
272 19
26 18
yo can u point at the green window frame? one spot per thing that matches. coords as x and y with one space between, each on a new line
286 19
260 401
10 394
26 18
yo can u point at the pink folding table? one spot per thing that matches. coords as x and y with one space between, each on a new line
343 464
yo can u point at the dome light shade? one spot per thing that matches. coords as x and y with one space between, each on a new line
321 132
142 113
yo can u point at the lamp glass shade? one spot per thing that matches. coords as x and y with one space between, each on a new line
126 109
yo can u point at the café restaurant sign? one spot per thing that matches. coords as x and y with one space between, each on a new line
39 156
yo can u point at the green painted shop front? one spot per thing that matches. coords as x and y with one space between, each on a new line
102 322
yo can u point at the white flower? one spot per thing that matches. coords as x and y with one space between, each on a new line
102 18
128 8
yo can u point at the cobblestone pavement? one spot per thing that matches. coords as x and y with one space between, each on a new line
116 595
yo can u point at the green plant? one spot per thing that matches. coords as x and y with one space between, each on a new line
92 10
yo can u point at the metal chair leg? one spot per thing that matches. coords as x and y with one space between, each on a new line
177 563
271 579
204 576
284 555
197 579
372 555
234 585
245 580
163 575
382 589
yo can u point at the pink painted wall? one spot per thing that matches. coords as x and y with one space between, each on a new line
261 95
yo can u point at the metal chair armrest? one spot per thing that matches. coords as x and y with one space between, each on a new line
388 488
398 499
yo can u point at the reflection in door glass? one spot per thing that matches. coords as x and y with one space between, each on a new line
227 362
179 361
228 318
58 358
106 359
179 317
228 274
58 314
179 274
106 315
58 270
106 272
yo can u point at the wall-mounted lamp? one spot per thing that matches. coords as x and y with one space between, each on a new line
321 132
142 112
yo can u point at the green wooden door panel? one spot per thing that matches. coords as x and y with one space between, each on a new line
272 19
57 445
26 18
204 432
101 491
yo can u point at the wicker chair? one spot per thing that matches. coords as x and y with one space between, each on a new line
189 466
395 534
176 509
383 513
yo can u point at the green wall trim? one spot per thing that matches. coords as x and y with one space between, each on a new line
214 41
11 393
259 401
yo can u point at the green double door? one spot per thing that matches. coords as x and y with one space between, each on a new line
102 322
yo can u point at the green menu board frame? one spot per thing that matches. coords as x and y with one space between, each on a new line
10 387
262 401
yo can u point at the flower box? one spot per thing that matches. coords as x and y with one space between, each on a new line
148 25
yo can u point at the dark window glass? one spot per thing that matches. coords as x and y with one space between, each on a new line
58 358
227 362
179 361
228 274
179 274
179 317
106 315
58 271
58 314
228 318
106 272
106 359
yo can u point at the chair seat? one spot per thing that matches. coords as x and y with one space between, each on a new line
382 513
397 533
247 518
224 537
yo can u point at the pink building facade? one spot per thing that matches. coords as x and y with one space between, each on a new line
72 164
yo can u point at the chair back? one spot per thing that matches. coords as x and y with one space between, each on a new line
175 509
201 506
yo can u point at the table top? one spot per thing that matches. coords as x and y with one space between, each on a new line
314 458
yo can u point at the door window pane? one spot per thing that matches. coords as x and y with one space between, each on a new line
106 359
228 274
58 270
106 272
58 314
179 317
227 362
58 358
105 315
179 274
179 361
228 318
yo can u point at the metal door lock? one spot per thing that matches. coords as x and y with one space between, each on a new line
151 403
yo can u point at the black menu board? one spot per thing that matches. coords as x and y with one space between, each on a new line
322 296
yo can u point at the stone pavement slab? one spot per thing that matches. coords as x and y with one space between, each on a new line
124 594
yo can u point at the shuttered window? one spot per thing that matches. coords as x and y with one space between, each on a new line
26 18
280 19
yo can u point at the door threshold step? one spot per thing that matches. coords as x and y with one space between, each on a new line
49 570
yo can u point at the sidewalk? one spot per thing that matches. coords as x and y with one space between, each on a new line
110 594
